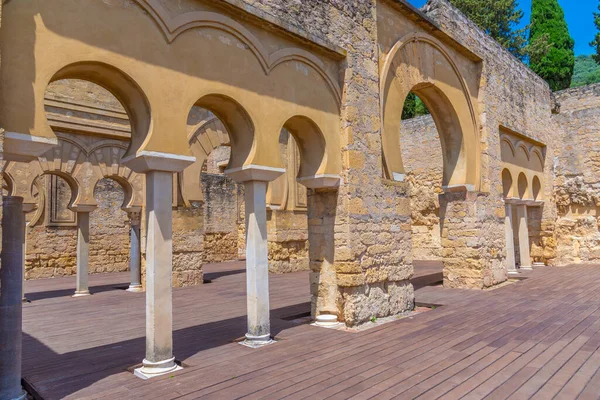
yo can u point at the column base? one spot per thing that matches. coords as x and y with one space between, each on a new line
135 288
513 273
326 320
538 264
81 293
22 396
151 370
255 342
526 268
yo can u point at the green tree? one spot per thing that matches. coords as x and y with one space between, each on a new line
499 19
413 107
548 22
596 42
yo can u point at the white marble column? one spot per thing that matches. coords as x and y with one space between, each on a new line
510 241
23 297
83 252
11 306
523 237
159 264
257 264
135 261
27 208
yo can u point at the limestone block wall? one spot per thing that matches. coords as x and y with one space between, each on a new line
220 218
288 241
510 96
370 226
52 250
577 190
422 157
188 247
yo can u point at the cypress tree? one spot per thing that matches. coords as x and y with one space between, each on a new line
499 19
557 65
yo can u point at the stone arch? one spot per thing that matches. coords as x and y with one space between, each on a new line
522 154
536 188
204 137
313 153
537 160
522 186
106 159
507 183
173 27
67 160
120 85
419 63
7 184
237 122
73 185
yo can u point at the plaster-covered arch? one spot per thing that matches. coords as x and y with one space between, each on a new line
536 188
522 186
507 183
204 137
238 123
106 160
419 63
271 75
7 184
315 169
120 85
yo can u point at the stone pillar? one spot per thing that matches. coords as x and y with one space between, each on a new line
25 225
510 241
135 258
83 250
323 275
159 265
255 179
27 208
11 306
472 239
523 238
257 264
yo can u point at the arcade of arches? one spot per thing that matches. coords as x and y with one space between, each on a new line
287 148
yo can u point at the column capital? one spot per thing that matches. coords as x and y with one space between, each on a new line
145 161
320 181
25 147
135 217
254 173
84 208
29 207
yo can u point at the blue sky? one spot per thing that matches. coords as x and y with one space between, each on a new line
579 17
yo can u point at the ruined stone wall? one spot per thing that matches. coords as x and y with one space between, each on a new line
188 246
220 218
370 230
52 250
422 157
577 188
511 95
288 241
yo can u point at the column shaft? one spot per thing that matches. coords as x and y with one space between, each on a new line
135 262
257 267
323 276
523 237
159 261
83 253
25 225
11 306
510 241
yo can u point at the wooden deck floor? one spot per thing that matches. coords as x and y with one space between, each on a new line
539 338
